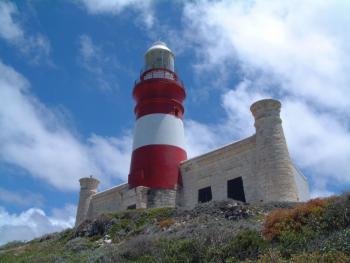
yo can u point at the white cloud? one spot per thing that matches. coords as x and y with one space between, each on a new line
101 67
9 30
112 154
282 39
321 193
21 199
36 47
238 124
319 142
34 138
236 103
87 49
200 138
115 7
34 222
296 51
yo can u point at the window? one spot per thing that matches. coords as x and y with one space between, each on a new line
204 195
235 189
131 207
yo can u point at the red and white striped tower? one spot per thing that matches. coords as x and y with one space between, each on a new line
158 146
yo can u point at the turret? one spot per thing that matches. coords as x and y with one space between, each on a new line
274 169
88 187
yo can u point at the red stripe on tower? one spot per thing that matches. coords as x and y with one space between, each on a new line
158 146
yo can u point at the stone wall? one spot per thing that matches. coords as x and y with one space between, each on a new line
262 161
161 198
302 185
116 199
216 168
120 198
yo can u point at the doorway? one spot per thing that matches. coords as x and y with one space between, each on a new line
235 189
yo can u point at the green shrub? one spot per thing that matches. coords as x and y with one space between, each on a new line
337 241
316 217
144 259
320 224
290 243
183 250
67 235
160 213
336 215
314 257
247 244
163 250
78 244
318 257
299 219
132 222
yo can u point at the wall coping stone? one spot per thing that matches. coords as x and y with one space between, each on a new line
217 151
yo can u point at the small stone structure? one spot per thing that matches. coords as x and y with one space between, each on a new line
255 169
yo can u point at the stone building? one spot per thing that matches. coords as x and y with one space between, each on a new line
254 169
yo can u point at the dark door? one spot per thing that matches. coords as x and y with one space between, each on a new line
235 189
204 195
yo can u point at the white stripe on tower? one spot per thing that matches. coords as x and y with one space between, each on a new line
159 128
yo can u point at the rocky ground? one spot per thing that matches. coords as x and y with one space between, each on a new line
226 231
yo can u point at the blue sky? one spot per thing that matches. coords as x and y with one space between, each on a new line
67 70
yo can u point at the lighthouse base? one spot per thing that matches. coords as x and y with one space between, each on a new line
161 198
156 166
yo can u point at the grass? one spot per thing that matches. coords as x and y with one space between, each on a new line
316 231
133 222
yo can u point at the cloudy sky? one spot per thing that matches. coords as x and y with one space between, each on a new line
67 69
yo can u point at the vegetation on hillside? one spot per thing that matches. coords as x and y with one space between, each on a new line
316 231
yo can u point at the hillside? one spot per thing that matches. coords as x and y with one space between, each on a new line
316 231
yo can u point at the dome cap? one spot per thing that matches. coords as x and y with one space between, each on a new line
159 45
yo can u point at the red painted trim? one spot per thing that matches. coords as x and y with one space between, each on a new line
166 106
156 166
159 96
159 88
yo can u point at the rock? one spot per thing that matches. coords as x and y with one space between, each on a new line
108 241
83 229
99 226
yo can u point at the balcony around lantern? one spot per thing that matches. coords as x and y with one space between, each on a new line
158 73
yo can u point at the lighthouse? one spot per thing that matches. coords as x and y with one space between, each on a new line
158 146
255 169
